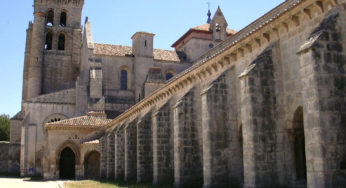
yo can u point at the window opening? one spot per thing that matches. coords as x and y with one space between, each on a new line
218 27
61 44
49 39
123 80
169 76
63 18
50 18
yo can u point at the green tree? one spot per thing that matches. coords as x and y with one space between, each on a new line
5 124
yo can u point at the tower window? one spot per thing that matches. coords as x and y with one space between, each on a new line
123 80
169 76
145 43
48 44
218 27
50 18
61 43
63 18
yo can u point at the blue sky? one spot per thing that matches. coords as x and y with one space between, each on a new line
114 22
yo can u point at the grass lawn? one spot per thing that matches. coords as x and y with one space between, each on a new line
109 184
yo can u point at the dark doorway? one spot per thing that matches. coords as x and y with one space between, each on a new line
92 165
299 145
67 164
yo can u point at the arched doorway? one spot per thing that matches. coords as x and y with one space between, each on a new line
92 165
67 164
299 145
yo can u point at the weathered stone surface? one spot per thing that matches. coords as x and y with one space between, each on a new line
144 149
131 151
119 161
162 146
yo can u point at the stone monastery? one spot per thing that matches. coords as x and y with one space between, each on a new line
261 107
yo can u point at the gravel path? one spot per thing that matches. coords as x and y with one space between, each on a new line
6 182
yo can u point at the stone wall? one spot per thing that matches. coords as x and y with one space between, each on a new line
144 149
9 158
4 148
119 161
323 69
265 110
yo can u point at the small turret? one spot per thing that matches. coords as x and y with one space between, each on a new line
218 26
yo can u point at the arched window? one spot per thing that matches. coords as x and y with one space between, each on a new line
169 76
49 39
299 144
63 18
123 80
61 43
50 18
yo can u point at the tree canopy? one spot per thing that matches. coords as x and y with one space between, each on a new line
5 124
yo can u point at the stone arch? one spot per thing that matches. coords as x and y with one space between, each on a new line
92 165
54 118
62 42
50 17
170 73
298 145
63 18
73 146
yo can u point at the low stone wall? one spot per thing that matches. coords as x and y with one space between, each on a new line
4 156
9 158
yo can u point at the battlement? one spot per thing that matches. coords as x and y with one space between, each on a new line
76 3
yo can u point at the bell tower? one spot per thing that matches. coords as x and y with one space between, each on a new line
52 54
218 25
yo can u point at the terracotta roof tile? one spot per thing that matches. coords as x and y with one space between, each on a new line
88 121
205 27
166 55
112 50
118 50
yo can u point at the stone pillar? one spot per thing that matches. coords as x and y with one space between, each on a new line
103 157
131 151
144 150
110 156
162 147
220 134
37 45
322 68
257 111
187 143
119 161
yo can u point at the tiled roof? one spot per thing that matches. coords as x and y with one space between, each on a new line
118 50
88 121
112 50
205 27
18 116
166 55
